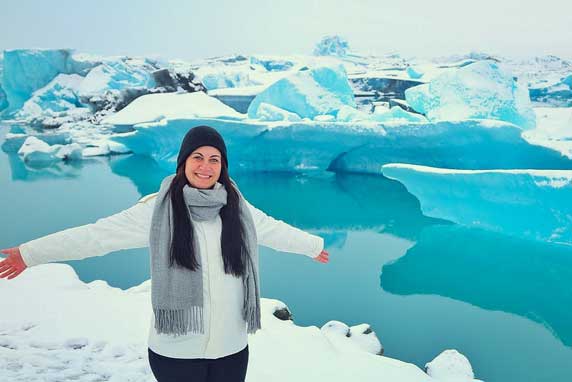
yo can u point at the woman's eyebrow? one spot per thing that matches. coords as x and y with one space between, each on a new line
214 155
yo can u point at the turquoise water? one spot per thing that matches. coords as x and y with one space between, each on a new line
423 285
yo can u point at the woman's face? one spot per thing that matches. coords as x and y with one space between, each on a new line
203 167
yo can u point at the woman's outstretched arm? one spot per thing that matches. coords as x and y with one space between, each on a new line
126 229
278 235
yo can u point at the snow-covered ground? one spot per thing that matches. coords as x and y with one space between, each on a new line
54 328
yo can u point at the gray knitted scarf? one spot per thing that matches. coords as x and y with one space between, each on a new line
177 292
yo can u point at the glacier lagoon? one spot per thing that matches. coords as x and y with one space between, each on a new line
500 301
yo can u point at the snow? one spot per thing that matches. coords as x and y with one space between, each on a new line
321 90
91 331
531 204
155 107
451 365
553 129
480 90
397 115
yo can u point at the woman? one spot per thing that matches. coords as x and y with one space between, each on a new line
203 241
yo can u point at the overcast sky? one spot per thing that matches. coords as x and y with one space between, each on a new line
191 29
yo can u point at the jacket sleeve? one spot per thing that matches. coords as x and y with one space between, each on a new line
281 236
126 229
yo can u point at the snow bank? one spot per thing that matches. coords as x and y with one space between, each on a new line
479 90
322 90
154 107
92 331
532 204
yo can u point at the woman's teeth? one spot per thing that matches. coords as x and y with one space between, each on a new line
203 176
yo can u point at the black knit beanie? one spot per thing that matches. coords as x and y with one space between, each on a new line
201 136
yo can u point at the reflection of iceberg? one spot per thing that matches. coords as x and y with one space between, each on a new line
527 203
492 271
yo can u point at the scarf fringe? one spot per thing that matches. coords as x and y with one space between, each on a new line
179 322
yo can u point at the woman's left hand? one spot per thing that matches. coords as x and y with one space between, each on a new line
322 257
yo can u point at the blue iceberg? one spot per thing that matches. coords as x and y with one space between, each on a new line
308 93
350 147
60 94
558 94
481 90
532 204
331 46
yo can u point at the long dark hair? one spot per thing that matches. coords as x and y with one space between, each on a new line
233 244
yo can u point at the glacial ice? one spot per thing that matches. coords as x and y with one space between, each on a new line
532 204
397 115
321 90
60 94
557 94
267 112
115 75
331 46
36 152
349 147
480 90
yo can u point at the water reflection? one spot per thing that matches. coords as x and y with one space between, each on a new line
489 270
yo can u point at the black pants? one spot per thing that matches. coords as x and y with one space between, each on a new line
231 368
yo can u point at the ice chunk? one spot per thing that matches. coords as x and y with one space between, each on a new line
267 112
481 90
222 76
397 115
154 107
331 46
553 129
557 94
357 338
60 94
532 204
451 365
322 90
114 75
272 64
414 72
36 152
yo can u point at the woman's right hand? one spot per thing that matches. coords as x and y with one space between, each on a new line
13 265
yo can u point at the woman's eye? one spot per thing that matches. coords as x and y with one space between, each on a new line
214 160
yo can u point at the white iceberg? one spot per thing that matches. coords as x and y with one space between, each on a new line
451 365
321 90
480 90
155 107
532 204
36 152
115 76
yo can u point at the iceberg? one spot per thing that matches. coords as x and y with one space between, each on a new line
451 365
349 147
331 46
155 107
414 72
60 94
557 94
25 71
532 204
553 129
277 64
3 98
481 90
115 76
36 152
322 90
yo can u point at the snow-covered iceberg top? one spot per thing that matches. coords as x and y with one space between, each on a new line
479 90
533 204
155 107
52 337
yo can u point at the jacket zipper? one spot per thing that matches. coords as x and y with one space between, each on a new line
210 288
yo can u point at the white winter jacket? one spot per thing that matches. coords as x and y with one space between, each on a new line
225 329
